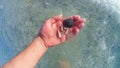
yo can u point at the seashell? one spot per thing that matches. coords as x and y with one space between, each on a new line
68 23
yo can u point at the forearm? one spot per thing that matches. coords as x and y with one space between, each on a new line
29 57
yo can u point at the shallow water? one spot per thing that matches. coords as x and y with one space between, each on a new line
96 46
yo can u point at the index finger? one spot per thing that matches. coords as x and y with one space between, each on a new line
74 18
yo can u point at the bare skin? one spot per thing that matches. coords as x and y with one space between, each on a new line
47 37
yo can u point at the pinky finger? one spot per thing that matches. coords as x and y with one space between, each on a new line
74 30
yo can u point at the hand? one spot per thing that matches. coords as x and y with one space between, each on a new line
49 31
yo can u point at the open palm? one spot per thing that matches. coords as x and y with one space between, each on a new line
49 30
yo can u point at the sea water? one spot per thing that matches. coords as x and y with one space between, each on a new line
96 46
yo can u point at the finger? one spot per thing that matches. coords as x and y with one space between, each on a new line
76 17
50 21
70 17
63 38
74 30
80 23
58 24
58 17
54 19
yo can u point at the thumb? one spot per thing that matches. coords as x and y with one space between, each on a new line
58 17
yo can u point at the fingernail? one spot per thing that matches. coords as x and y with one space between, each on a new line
60 15
61 28
84 20
66 32
59 34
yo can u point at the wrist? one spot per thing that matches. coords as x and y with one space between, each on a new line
41 41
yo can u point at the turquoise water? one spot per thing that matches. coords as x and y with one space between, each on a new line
96 46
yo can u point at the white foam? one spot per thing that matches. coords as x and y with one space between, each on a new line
102 43
110 58
104 22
